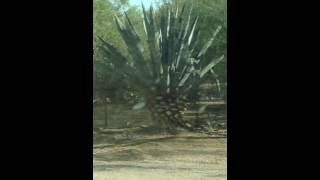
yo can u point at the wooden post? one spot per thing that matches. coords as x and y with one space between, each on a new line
107 100
105 115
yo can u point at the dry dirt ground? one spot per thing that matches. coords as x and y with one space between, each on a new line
180 157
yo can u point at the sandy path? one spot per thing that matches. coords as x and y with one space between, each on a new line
181 158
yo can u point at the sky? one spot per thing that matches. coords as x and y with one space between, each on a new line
146 3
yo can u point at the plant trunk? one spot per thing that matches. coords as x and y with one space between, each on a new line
166 112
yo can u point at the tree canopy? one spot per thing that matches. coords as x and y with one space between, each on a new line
212 14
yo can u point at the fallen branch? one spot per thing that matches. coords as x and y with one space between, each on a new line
117 131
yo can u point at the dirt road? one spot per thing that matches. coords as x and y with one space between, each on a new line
185 157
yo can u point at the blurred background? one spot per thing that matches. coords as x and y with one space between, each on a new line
114 99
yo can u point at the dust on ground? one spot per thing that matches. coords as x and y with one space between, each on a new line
186 156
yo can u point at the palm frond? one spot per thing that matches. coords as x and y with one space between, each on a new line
173 65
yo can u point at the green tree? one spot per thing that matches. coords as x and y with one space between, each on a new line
107 82
213 13
174 66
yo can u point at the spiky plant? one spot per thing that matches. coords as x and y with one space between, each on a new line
174 67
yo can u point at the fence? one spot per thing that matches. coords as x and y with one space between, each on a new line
122 116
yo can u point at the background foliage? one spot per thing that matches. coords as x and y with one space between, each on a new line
212 13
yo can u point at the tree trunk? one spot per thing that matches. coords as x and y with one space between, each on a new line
166 112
